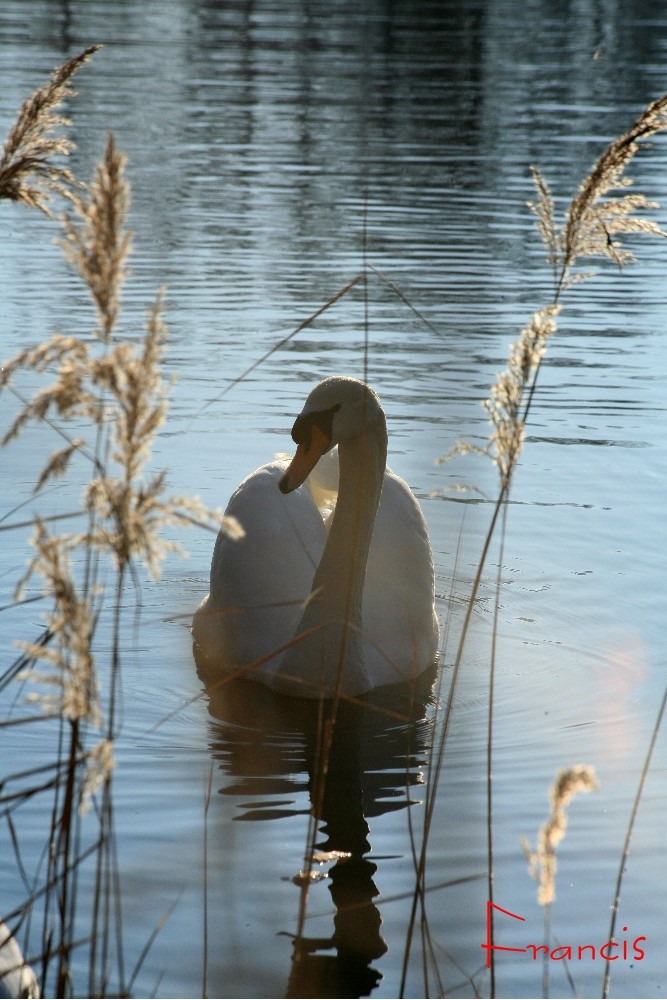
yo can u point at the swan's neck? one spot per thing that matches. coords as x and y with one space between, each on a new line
331 659
342 569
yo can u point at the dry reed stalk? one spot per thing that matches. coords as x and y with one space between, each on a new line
594 224
115 388
27 171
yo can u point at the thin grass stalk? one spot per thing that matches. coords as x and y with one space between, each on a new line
440 752
74 880
429 959
207 803
404 299
106 884
628 836
489 752
115 654
108 893
308 321
17 850
117 897
548 917
129 990
64 845
364 271
96 908
425 956
104 895
52 873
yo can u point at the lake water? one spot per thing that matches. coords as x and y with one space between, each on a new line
263 139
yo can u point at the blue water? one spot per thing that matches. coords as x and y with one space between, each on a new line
270 148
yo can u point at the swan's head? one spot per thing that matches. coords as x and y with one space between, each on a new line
338 409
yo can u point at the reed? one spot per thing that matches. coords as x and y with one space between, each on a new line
29 171
599 217
111 385
542 861
569 782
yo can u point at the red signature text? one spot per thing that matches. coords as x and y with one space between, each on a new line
610 951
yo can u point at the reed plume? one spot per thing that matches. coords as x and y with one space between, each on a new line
98 245
28 173
595 222
542 864
70 624
114 386
508 393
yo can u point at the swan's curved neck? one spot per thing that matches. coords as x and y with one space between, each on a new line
330 657
342 568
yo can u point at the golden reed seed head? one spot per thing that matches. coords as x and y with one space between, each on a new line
28 173
542 863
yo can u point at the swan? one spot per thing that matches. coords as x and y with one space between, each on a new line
17 979
314 607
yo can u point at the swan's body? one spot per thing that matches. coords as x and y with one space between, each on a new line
368 571
17 979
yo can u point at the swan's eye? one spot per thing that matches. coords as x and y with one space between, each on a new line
303 425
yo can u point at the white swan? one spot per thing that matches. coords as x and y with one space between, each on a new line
17 979
365 578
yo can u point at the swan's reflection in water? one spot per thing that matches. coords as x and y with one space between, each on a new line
377 750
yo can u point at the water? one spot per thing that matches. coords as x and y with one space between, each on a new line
256 135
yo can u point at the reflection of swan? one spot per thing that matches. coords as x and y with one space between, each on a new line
370 619
269 750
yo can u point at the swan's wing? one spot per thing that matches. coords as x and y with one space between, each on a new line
258 583
400 626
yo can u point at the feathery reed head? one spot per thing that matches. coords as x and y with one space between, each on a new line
115 385
99 244
542 861
100 763
27 171
70 623
506 403
592 227
594 222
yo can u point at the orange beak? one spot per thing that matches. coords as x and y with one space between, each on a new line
305 460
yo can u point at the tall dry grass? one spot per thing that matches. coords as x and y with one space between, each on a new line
600 215
110 387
